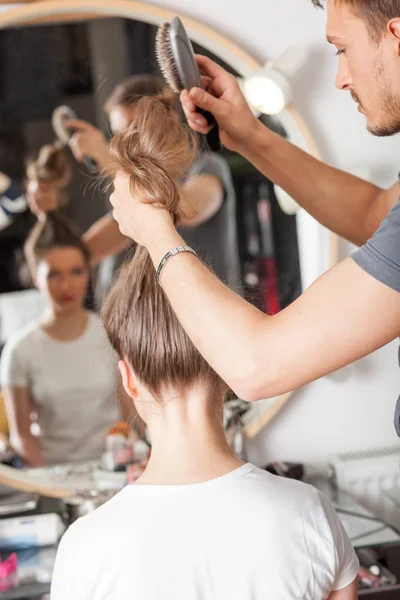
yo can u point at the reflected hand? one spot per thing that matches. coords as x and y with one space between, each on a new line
225 101
42 198
88 142
136 218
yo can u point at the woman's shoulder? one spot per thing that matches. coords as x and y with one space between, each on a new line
95 324
24 337
209 163
96 332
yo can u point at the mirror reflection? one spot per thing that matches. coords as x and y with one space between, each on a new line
64 94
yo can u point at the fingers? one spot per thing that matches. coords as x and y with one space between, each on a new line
78 124
194 118
76 147
203 99
209 67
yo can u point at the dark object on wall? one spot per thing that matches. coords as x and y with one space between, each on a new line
51 62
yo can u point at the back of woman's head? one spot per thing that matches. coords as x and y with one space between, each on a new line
131 90
51 166
155 152
54 230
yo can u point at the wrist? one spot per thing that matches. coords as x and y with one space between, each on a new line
162 243
257 141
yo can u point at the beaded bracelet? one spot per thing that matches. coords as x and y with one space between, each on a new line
170 254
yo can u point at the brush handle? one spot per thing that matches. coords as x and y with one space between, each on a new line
212 137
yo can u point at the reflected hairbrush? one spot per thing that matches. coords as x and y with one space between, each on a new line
177 62
64 134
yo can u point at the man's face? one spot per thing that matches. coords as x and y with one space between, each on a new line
369 69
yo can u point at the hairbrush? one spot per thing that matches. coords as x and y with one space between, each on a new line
64 134
177 62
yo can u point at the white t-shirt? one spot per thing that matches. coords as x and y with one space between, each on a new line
73 385
248 535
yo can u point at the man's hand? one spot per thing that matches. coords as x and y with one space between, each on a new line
225 101
42 197
88 142
137 218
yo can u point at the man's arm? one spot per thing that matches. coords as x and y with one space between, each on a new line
347 205
104 239
344 315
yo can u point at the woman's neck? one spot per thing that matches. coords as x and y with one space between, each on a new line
66 326
188 441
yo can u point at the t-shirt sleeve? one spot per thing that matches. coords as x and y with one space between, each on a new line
380 256
13 366
213 164
68 580
347 563
12 200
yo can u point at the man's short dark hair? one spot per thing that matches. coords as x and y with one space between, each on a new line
376 13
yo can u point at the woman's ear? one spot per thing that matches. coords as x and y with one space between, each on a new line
128 380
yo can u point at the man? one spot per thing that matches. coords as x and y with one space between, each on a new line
351 310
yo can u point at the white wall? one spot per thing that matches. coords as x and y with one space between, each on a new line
354 409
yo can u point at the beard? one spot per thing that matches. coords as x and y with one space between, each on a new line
389 102
390 122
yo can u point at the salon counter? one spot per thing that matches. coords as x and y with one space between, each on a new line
369 536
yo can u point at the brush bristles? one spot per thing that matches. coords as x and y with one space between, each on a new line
165 58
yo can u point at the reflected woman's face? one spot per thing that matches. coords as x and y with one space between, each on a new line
62 276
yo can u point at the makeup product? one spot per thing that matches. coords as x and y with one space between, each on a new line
269 279
64 134
177 62
8 573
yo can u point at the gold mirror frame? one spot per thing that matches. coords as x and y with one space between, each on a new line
46 11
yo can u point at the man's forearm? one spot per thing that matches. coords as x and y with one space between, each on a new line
262 356
104 239
221 325
338 200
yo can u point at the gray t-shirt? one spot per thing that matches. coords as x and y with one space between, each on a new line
73 386
380 257
215 240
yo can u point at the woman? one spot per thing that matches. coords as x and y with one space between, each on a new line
60 367
177 532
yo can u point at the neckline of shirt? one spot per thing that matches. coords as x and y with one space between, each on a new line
199 486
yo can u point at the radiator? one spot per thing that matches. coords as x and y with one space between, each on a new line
368 476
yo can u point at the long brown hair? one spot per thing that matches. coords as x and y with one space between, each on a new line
51 166
54 230
155 151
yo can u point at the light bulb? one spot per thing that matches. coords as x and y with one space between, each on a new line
268 91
